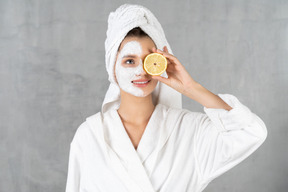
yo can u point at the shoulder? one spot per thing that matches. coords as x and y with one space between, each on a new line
178 111
83 129
184 122
182 115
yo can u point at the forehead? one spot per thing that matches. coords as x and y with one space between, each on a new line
145 42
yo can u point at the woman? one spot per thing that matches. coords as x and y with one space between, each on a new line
143 140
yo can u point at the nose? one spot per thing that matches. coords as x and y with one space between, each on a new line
140 69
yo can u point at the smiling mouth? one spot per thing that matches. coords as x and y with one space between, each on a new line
140 82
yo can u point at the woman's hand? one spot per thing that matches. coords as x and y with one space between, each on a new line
178 78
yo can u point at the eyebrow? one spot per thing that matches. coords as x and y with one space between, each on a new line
134 56
130 56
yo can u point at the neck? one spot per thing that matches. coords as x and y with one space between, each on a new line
135 110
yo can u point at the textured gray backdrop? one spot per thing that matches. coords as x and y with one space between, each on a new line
52 76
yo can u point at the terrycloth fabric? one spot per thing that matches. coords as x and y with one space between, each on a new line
120 22
179 151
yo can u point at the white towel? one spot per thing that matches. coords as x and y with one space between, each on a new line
120 22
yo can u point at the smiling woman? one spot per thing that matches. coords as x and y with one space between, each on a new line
143 140
130 74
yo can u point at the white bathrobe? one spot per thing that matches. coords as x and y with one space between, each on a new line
180 150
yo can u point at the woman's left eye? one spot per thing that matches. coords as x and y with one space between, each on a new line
129 61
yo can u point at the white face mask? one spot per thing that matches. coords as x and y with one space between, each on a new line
125 75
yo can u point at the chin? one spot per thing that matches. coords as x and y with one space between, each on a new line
140 95
138 92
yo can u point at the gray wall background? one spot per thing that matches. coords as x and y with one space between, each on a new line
52 76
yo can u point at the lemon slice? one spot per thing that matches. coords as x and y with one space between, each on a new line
155 64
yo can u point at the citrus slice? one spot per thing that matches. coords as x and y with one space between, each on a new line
155 64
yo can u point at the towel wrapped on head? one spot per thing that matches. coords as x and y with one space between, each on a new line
125 18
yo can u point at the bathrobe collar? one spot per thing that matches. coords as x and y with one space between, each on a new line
120 152
122 143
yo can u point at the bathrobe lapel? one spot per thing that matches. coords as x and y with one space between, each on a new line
122 156
131 159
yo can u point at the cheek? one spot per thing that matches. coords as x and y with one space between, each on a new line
124 75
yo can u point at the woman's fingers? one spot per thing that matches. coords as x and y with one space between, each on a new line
159 51
154 49
165 49
165 52
162 79
169 56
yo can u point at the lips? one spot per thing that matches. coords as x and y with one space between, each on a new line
140 82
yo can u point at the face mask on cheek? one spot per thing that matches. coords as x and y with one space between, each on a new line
125 75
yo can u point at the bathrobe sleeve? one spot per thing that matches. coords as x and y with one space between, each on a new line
225 138
74 165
